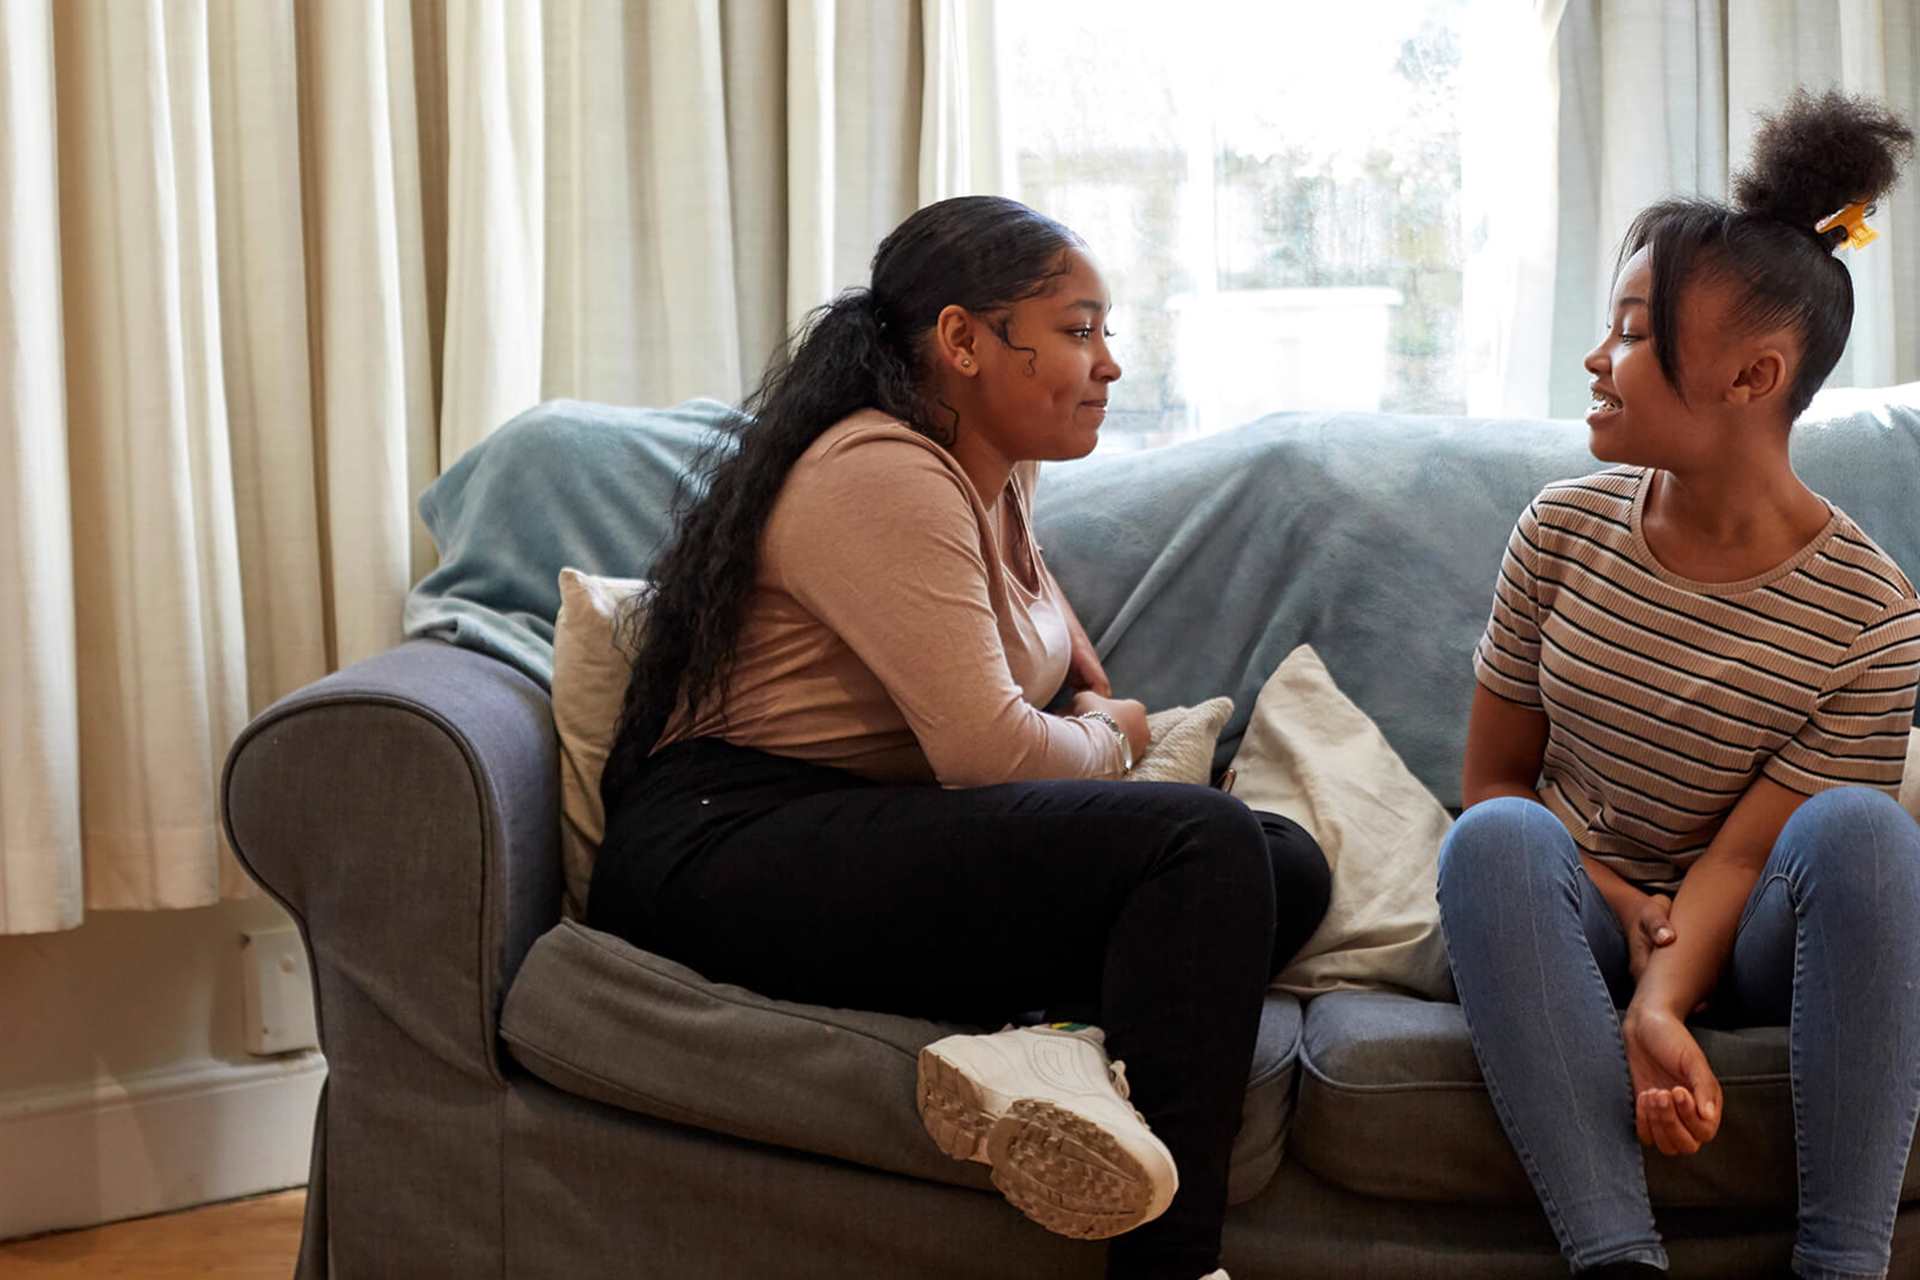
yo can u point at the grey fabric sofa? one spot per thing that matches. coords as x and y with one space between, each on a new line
513 1095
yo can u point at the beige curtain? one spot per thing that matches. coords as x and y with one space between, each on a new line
267 266
1641 99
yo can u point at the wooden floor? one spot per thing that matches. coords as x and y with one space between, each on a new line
241 1240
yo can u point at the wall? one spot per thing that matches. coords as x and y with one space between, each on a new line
125 1086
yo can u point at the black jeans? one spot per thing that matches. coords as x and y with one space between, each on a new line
1160 909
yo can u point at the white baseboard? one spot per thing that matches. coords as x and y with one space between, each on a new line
78 1156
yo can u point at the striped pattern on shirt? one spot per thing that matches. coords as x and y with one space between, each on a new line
1666 698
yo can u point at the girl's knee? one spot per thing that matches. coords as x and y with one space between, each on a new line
1495 838
1230 833
1302 886
1856 810
1858 835
1301 876
1215 843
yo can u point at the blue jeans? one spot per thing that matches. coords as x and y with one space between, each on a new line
1827 944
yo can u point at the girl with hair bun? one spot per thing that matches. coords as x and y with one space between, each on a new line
1694 694
834 781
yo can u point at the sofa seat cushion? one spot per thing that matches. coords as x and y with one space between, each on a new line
1392 1104
597 1017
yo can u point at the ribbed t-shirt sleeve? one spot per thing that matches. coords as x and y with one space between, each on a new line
1857 734
880 543
1507 659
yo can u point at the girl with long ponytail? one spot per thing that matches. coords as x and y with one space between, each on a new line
834 781
1694 696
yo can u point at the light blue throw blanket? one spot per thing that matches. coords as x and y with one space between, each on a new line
1196 568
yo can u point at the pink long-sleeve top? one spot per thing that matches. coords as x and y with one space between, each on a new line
902 628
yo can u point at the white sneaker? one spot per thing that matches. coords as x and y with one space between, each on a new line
1046 1110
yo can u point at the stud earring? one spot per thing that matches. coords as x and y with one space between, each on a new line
966 362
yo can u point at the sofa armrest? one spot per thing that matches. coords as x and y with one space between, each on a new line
405 810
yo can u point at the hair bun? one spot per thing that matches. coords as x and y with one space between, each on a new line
1819 154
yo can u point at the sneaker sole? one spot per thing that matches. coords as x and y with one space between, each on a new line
951 1108
1057 1167
1066 1172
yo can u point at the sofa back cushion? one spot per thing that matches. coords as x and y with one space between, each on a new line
1196 568
1374 538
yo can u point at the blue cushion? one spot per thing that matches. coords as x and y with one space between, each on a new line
593 1015
1392 1104
565 483
1196 568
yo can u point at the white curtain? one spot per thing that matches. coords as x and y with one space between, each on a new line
1622 102
266 266
754 154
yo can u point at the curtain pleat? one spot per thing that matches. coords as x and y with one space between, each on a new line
880 76
961 145
161 673
753 39
692 214
810 156
495 216
265 343
374 422
40 879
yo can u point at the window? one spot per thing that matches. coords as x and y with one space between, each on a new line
1273 192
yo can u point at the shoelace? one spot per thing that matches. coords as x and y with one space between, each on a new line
1116 1072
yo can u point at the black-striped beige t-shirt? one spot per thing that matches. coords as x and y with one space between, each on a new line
1666 698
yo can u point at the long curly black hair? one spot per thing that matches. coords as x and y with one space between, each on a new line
1816 156
865 349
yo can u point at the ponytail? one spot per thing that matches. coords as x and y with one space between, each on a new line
1815 157
680 632
860 351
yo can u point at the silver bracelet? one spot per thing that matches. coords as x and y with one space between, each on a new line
1126 744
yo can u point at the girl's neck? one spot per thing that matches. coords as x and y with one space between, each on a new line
973 447
1730 521
986 466
1735 500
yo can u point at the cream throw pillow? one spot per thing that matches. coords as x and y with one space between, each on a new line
589 681
1181 741
1313 756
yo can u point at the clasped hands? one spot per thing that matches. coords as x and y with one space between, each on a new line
1677 1103
1095 693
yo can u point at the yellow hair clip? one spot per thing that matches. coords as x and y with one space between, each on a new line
1854 219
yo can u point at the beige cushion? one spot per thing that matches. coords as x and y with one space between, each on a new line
1315 757
1181 741
589 680
1910 785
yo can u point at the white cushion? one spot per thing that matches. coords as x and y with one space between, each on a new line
1181 741
590 672
1313 756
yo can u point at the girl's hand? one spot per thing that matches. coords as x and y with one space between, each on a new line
1131 716
1083 667
1651 928
1677 1103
